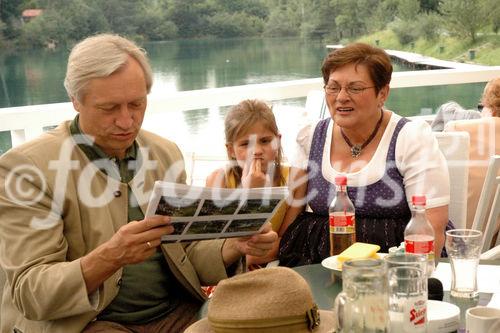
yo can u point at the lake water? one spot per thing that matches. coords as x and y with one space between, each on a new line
36 77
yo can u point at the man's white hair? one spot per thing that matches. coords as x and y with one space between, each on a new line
100 56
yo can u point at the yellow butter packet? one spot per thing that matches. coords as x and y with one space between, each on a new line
358 250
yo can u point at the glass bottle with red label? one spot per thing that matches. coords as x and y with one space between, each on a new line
342 221
419 234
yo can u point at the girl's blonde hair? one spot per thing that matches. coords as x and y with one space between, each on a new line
238 121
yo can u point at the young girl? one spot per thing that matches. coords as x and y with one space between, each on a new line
254 151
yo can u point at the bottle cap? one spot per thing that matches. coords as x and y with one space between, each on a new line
418 200
341 180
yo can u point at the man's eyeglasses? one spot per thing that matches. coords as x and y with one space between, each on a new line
351 90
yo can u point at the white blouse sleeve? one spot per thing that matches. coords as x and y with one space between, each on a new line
422 164
303 147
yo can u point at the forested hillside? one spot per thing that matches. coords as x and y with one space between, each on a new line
63 22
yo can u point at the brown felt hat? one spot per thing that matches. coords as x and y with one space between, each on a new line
274 299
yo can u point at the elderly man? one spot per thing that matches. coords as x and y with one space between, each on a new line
77 251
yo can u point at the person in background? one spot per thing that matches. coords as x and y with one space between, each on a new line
253 145
387 159
78 253
451 111
484 136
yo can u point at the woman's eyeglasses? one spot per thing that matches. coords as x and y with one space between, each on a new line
351 90
480 107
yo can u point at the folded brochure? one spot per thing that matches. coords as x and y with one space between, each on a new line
199 213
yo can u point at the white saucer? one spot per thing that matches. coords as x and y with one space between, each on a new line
442 317
333 264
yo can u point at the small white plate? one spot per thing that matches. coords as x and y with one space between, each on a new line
333 264
442 317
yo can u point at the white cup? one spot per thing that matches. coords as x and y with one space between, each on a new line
481 319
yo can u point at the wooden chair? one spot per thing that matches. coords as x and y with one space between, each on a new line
487 219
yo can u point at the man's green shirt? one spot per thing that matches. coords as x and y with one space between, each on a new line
148 290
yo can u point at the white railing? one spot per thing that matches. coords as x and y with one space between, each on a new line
27 122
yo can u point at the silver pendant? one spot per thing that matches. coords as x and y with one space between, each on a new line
355 151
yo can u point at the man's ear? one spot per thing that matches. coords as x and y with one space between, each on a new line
76 105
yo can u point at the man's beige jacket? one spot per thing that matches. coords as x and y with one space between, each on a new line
55 207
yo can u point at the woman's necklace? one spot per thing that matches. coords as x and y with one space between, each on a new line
356 149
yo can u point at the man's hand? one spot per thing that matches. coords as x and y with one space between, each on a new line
253 176
137 240
132 243
257 245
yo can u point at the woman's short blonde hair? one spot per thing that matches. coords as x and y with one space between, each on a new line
491 96
100 56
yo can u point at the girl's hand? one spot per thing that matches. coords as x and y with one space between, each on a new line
253 176
258 245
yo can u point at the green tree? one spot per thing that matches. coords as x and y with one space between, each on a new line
351 17
408 10
190 16
428 26
429 5
2 28
280 23
121 15
46 28
252 8
153 23
464 18
384 13
405 32
493 9
10 13
83 18
236 24
64 22
286 17
317 19
495 24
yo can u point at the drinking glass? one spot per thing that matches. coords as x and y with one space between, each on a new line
398 259
463 247
362 306
407 299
